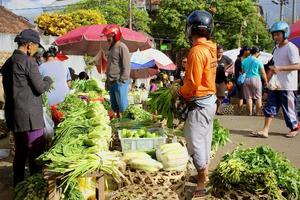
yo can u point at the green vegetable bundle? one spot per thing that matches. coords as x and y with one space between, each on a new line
87 86
32 188
72 105
162 101
136 113
220 136
257 170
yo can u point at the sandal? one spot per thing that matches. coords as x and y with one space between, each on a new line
292 134
199 194
258 134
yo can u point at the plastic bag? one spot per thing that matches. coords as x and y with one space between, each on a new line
49 125
274 83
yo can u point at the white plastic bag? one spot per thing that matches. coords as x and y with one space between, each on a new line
49 125
274 83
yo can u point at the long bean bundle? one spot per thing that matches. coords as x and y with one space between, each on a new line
162 101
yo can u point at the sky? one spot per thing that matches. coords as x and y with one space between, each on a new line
271 10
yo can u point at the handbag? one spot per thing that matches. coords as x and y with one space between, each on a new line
242 77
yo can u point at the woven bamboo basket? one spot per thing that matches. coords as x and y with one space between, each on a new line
133 192
174 180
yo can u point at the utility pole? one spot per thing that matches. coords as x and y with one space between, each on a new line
130 14
281 4
281 10
294 12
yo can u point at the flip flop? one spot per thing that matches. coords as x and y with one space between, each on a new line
199 194
258 134
292 134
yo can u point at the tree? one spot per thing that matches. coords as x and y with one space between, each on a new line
116 12
59 23
235 20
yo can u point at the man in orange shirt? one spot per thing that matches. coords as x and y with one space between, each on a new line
199 91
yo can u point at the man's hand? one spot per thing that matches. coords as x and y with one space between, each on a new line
175 91
275 69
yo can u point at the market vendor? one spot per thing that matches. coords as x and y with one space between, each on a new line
199 92
118 69
23 86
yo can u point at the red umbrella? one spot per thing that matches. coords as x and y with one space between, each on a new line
87 40
295 33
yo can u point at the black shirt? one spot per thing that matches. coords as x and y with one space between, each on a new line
237 68
222 64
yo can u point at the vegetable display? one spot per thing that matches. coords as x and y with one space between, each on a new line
81 146
257 170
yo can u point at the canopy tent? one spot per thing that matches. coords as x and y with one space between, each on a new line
232 54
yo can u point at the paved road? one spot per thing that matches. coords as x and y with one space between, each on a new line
239 127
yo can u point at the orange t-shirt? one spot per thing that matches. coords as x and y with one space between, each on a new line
200 70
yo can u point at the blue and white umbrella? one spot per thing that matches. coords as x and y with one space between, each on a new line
150 58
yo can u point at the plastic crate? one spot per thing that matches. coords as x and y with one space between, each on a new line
142 144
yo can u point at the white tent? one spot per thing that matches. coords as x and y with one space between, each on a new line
264 57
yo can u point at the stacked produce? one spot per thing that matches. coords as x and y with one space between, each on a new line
33 187
81 146
142 161
162 101
136 113
173 156
257 170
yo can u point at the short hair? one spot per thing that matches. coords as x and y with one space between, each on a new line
254 50
219 47
83 76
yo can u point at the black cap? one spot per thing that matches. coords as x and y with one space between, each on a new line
29 35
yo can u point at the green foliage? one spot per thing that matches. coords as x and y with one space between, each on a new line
234 20
116 12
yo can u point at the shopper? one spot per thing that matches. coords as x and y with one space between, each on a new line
23 86
60 73
252 87
244 53
286 65
224 62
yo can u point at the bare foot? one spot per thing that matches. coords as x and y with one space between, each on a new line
260 134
